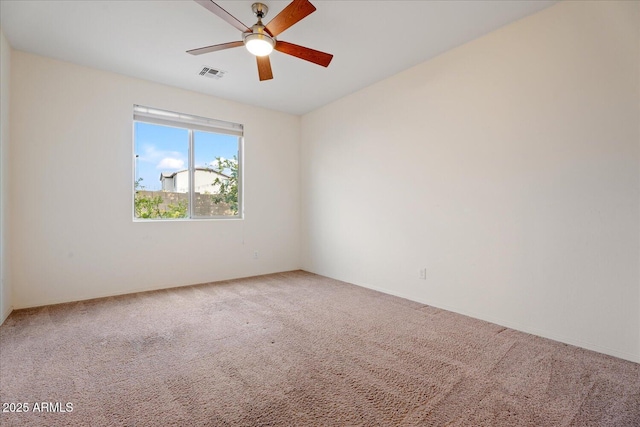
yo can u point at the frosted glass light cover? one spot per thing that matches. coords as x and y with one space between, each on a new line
259 45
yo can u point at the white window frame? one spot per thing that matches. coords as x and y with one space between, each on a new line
191 123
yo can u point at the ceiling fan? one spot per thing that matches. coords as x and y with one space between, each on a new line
260 39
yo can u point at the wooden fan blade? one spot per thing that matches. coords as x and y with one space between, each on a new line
213 7
294 12
264 68
311 55
214 48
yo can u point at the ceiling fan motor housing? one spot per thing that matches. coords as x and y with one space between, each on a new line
258 40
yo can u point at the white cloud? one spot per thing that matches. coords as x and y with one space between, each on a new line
151 154
170 163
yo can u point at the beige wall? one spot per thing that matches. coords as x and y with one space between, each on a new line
75 239
5 283
515 164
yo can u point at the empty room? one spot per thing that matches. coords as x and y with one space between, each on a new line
319 213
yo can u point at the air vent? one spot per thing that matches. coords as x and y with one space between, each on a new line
212 72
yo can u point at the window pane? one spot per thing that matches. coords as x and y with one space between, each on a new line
216 174
161 171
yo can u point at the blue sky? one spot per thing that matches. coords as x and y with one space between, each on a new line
166 149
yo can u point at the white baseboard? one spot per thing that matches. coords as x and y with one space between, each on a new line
5 315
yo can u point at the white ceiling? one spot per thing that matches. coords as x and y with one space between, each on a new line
370 40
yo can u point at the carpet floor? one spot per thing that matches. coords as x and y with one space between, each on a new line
296 349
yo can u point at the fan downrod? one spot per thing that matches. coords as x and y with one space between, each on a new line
260 10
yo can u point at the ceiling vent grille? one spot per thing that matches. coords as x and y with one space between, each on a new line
212 72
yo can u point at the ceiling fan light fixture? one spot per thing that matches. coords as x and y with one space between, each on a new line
260 40
259 44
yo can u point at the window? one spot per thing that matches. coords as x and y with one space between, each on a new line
185 166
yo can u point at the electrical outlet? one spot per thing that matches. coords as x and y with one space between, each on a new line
423 273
